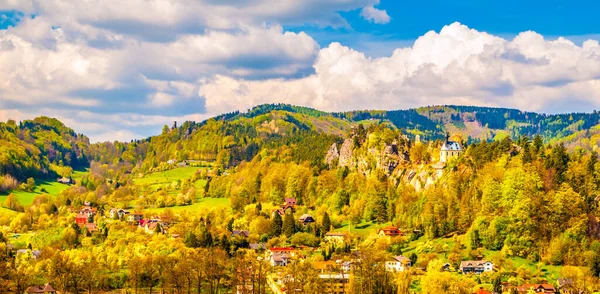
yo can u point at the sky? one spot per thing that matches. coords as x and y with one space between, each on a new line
120 70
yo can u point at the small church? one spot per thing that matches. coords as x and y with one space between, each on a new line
450 149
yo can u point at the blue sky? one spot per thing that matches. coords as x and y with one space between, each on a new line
121 70
410 19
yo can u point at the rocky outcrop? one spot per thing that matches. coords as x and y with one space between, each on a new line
345 158
332 155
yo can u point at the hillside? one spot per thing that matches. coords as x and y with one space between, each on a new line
521 193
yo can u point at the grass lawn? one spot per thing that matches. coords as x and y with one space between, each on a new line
4 211
201 204
26 198
362 229
167 177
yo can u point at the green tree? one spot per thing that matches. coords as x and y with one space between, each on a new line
276 225
289 224
326 223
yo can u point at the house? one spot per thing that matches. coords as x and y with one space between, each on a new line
288 250
87 210
565 285
258 246
389 232
81 219
537 288
240 233
476 266
34 253
91 228
117 212
150 225
135 217
336 283
336 237
46 289
290 201
449 150
279 259
64 180
305 219
398 264
280 256
481 290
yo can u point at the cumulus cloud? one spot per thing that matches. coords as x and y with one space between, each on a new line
104 68
375 15
458 65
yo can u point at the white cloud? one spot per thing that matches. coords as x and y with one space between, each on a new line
375 15
103 67
458 65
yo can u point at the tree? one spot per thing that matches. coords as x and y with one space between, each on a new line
289 224
497 283
276 225
326 223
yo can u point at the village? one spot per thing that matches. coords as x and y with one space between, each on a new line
334 259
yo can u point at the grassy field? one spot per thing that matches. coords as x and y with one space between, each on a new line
167 177
362 229
51 187
4 211
26 198
202 204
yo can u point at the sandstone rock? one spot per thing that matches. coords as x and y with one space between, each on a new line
332 155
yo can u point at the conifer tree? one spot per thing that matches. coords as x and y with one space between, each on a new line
276 224
289 225
326 223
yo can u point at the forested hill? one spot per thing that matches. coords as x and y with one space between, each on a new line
43 147
471 122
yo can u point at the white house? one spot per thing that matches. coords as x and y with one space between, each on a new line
476 266
449 150
398 264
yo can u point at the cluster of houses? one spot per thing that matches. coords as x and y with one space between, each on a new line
85 218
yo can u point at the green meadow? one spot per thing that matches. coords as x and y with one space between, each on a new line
201 204
42 187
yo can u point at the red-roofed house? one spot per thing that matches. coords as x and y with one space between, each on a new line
389 232
81 219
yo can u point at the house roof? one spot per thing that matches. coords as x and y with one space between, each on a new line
390 231
279 256
81 216
545 287
306 217
257 246
473 263
40 289
281 249
451 146
242 233
91 227
402 259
